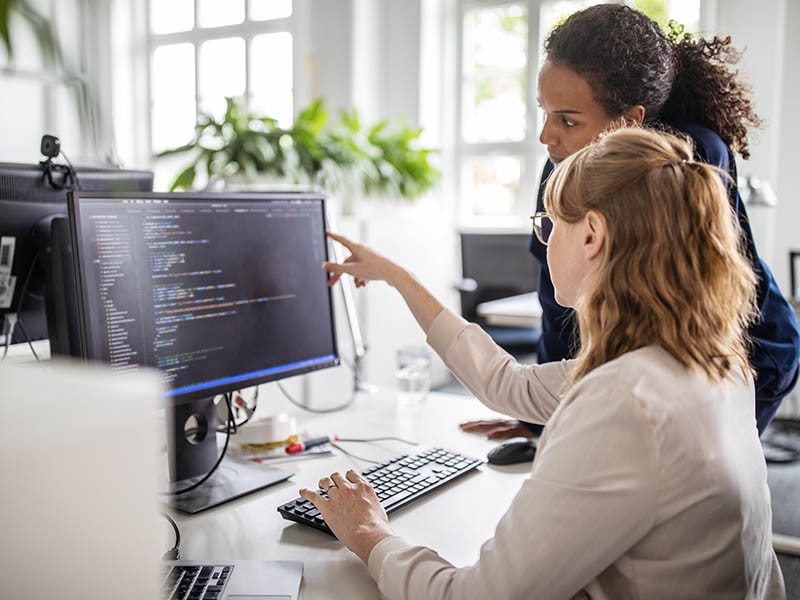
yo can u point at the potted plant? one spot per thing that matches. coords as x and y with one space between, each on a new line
344 156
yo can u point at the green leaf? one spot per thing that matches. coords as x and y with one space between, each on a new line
5 33
178 150
185 178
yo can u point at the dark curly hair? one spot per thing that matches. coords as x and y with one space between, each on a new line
629 60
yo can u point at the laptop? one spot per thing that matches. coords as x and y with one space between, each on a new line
80 506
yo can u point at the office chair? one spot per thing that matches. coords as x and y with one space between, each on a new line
494 266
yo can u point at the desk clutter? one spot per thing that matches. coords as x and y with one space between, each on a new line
397 482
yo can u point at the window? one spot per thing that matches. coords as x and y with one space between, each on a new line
204 50
498 155
48 96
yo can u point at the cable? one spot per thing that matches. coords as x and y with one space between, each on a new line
72 171
316 410
231 427
219 460
249 411
350 454
9 325
367 440
379 439
27 338
173 553
22 293
27 280
67 173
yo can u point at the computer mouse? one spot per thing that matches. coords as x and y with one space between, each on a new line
512 452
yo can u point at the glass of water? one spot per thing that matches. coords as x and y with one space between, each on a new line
413 373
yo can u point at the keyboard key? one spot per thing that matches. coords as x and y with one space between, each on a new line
392 500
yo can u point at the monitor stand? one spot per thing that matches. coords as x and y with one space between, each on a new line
192 449
233 479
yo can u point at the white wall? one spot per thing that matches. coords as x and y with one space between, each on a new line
765 64
762 66
362 53
787 229
385 84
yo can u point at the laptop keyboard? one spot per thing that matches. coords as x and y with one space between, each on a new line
196 582
397 482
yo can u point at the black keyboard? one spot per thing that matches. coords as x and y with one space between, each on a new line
196 582
397 482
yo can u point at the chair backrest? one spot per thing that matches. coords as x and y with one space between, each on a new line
493 266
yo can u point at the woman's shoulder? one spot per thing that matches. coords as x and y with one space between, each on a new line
709 146
646 375
646 363
655 384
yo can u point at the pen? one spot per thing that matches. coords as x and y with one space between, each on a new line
305 445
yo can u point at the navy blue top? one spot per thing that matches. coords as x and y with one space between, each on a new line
776 338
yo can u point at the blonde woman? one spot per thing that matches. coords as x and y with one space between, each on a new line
649 481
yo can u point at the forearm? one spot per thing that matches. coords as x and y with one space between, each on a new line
527 392
423 305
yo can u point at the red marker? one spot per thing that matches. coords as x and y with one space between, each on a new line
317 441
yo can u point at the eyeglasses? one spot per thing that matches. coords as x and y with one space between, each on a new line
542 226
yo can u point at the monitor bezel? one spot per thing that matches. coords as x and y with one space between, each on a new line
73 205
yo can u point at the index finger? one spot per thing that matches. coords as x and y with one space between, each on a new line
346 242
313 497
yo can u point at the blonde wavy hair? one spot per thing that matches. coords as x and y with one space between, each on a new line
673 271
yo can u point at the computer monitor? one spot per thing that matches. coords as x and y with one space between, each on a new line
218 291
31 197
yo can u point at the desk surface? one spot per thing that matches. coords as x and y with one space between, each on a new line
251 528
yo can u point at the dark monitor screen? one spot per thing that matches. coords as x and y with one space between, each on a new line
218 291
30 200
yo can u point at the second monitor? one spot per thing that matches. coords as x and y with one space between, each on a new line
218 291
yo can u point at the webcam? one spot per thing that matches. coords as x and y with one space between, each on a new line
58 176
51 146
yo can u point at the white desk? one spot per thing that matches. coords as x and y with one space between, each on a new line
523 310
455 520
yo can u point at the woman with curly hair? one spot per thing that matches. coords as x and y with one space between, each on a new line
607 66
649 480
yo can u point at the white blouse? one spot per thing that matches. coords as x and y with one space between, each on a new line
649 482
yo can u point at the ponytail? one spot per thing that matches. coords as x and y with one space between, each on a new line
707 92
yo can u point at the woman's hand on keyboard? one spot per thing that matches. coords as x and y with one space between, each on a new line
352 511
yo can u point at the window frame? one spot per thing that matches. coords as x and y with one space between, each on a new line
197 36
528 149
